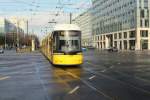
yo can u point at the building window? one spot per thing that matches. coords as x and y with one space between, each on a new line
101 38
146 23
104 37
145 3
115 36
144 44
125 44
141 23
115 43
120 35
144 33
132 34
132 44
120 45
142 13
125 35
97 38
104 44
140 3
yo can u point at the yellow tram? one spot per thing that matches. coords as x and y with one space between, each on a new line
63 45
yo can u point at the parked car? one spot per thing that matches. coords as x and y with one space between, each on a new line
112 49
91 47
84 49
1 50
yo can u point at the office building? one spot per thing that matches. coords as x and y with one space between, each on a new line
124 24
10 30
84 22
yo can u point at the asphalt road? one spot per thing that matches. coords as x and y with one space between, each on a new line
103 76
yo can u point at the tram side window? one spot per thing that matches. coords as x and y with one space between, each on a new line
54 43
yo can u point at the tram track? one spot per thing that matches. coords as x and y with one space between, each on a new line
117 80
99 91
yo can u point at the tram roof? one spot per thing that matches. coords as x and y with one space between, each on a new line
66 27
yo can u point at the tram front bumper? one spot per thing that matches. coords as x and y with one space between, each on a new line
67 59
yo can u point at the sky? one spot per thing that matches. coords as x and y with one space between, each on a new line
40 12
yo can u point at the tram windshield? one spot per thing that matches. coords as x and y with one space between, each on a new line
67 41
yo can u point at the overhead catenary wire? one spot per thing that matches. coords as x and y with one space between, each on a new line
33 10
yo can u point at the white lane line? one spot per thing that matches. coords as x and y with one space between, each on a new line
92 77
121 82
119 63
104 70
74 90
18 72
74 76
92 64
90 86
111 67
4 78
38 75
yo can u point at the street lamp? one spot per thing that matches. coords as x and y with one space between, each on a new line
5 39
17 34
70 18
5 32
5 36
52 22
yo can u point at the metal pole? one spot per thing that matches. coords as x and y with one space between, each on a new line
17 34
5 40
32 31
27 26
27 32
70 18
5 34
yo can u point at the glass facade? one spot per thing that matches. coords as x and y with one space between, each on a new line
113 15
143 8
128 21
84 22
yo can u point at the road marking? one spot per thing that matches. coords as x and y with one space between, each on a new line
104 70
93 64
74 90
27 72
73 75
90 86
4 78
37 69
122 82
111 66
92 77
119 63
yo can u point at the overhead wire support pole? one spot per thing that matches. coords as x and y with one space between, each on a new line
5 35
70 18
27 27
5 39
17 34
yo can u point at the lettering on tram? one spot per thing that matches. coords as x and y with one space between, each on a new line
63 45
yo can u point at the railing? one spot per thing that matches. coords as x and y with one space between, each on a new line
23 50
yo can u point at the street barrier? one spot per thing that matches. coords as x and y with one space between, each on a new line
23 50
